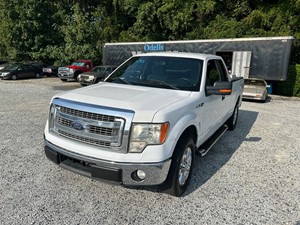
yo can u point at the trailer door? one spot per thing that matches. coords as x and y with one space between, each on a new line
241 63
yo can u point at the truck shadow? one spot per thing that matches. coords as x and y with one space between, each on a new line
205 167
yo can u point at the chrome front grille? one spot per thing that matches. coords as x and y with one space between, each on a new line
87 127
92 129
64 122
102 131
105 128
87 115
63 69
84 139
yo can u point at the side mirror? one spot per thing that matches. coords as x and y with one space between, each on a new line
219 88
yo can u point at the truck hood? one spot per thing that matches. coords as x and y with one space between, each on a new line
144 101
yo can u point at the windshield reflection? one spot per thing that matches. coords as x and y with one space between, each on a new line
160 72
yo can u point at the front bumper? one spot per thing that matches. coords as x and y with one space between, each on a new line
113 172
6 77
86 81
253 96
65 75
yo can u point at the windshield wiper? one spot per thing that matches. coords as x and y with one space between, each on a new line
163 83
122 80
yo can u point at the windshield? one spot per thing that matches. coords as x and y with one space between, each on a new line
161 72
98 69
11 67
77 64
255 82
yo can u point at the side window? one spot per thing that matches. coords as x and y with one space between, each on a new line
212 73
23 67
29 67
223 72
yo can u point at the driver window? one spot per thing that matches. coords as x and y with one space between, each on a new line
212 73
22 67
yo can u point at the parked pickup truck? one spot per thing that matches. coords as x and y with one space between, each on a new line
72 71
144 123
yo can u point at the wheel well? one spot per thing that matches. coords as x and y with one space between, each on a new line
190 131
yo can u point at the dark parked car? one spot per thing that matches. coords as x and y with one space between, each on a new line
38 64
98 73
19 71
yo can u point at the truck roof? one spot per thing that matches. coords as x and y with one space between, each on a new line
180 54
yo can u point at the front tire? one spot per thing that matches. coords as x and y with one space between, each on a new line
63 80
37 75
14 77
181 168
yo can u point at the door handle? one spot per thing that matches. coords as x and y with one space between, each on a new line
200 105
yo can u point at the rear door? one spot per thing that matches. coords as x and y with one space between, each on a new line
31 71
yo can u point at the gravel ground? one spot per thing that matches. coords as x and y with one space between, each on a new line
251 176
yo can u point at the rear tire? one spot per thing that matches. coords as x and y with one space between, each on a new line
37 75
231 122
181 168
63 80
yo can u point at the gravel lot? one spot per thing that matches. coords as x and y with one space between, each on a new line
251 176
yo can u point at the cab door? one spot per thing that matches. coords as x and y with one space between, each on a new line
215 107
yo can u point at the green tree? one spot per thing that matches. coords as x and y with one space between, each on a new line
25 29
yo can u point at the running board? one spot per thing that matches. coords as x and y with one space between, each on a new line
207 145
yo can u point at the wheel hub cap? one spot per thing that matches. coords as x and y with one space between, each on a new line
185 166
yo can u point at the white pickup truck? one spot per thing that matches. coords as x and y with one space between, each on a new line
144 123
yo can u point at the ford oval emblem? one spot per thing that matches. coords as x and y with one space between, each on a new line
77 126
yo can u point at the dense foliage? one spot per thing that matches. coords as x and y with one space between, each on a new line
290 87
62 30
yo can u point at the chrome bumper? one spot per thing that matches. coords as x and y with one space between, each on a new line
113 172
65 74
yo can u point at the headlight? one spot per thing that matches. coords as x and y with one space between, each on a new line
71 70
147 134
47 70
5 74
51 119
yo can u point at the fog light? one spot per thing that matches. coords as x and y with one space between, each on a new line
138 175
141 174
